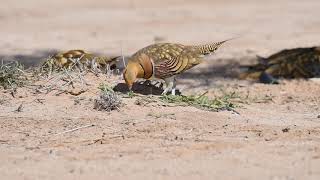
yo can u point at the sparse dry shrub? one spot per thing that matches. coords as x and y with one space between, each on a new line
108 100
12 75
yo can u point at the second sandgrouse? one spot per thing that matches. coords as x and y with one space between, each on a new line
80 58
289 63
165 61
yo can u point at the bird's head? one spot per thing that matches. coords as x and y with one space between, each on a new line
131 73
138 67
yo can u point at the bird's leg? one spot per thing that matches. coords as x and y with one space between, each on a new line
170 86
173 91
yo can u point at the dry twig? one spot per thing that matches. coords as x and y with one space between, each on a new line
75 129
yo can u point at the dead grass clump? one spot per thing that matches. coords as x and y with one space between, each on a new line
53 65
12 75
108 100
202 101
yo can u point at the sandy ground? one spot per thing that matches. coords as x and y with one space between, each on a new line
275 136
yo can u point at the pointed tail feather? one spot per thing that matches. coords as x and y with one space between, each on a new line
210 48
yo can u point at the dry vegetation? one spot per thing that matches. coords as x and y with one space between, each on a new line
108 99
46 78
12 75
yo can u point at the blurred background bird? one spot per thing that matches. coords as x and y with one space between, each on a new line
164 61
81 59
291 63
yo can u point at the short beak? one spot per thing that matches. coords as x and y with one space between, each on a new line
130 87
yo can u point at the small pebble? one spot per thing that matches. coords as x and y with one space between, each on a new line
285 130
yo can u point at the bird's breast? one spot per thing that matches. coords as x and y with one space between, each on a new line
147 66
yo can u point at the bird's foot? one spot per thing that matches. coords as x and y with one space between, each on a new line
166 90
173 91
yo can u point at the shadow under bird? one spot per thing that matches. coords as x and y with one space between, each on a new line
74 58
290 63
165 61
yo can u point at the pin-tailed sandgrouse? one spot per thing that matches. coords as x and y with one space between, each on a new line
291 63
73 58
165 61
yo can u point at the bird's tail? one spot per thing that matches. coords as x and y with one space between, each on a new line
212 47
